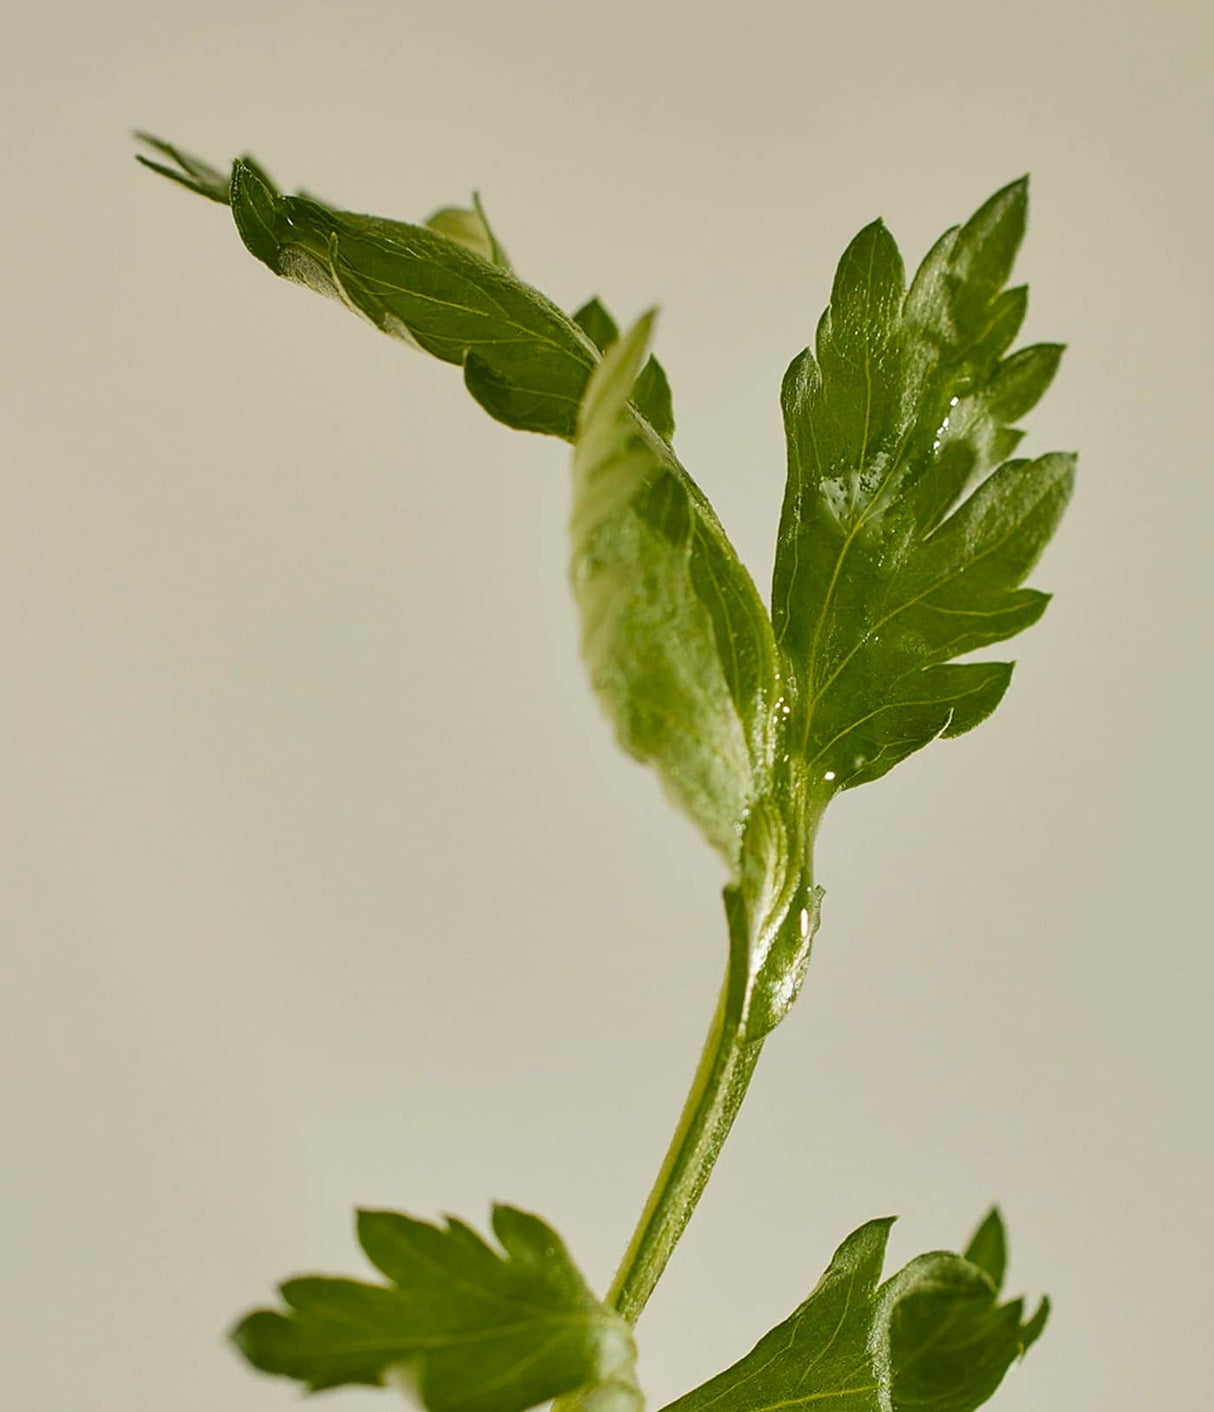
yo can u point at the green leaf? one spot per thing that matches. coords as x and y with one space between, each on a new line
681 653
988 1247
597 324
469 227
651 391
933 1338
677 642
190 172
906 400
461 1326
444 287
652 398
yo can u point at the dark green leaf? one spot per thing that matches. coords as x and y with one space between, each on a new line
190 172
906 400
446 286
1032 1331
461 1326
933 1338
416 284
431 285
651 396
597 324
988 1247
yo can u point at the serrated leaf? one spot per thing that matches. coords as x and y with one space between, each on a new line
428 286
933 1338
446 287
906 399
461 1326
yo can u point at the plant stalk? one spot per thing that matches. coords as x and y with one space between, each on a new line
717 1091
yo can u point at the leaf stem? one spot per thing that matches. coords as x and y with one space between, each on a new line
717 1091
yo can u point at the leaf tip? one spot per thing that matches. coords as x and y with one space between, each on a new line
1014 195
612 381
505 1218
254 1337
254 209
1065 466
1031 1331
642 330
875 234
243 170
988 1246
501 1216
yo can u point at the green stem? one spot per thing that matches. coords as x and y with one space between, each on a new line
717 1091
755 996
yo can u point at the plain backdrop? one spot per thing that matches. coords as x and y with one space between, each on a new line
323 882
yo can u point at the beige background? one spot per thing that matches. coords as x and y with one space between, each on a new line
323 882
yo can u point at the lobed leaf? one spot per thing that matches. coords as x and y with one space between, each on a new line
933 1338
904 401
461 1326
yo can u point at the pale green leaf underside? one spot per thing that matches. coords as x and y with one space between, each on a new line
681 653
462 1326
678 644
933 1338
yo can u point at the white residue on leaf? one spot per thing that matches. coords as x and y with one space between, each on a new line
302 267
399 329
